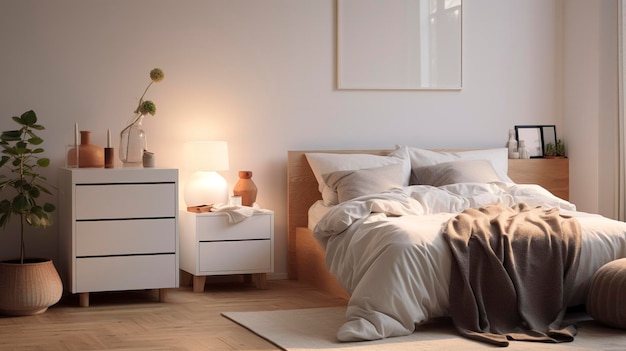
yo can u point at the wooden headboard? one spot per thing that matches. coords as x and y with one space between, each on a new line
302 192
302 187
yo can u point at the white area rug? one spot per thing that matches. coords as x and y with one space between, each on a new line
314 329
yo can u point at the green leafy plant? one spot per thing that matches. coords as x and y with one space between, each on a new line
550 150
21 158
560 148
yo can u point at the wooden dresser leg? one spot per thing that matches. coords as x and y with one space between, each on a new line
162 294
260 280
83 299
198 283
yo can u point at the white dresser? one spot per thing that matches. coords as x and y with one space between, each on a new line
210 245
118 229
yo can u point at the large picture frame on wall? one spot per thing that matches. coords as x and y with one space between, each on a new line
399 44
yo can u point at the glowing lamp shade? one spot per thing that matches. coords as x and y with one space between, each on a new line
206 186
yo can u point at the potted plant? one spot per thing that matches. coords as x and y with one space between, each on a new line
555 150
560 148
550 150
27 285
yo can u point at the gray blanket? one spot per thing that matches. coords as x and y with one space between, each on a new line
511 271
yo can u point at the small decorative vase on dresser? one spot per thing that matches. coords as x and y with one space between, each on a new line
118 230
245 188
133 143
210 245
89 155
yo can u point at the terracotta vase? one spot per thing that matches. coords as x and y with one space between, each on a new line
245 188
89 155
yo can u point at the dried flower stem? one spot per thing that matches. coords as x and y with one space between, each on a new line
142 96
143 107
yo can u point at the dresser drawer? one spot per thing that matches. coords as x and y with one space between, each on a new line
132 200
216 227
125 273
251 256
142 236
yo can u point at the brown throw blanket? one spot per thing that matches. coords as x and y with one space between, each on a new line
511 271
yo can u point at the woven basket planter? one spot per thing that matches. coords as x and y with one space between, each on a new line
29 288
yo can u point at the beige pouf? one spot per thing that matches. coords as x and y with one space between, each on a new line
606 301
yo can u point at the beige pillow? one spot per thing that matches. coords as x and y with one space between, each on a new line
498 158
325 163
465 171
354 183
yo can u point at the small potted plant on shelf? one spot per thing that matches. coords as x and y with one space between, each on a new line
550 150
27 285
555 150
559 148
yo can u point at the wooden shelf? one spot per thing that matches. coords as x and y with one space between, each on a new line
550 173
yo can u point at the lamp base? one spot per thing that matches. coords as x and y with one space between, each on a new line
205 188
200 209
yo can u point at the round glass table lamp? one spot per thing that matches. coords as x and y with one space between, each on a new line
206 186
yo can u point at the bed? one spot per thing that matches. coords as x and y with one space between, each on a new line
366 318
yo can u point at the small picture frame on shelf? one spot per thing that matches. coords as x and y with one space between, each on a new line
536 138
532 138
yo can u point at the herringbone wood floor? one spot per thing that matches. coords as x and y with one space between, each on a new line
135 320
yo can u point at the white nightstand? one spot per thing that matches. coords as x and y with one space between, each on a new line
210 245
118 229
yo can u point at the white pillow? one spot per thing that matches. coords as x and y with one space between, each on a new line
463 171
324 163
358 182
499 159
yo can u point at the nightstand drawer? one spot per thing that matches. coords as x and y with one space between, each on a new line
132 200
226 257
216 227
142 236
125 273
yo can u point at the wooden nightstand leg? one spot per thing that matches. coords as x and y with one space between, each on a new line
260 280
83 299
162 294
198 283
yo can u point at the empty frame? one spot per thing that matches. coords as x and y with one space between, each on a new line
399 44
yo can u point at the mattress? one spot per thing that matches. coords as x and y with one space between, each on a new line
316 212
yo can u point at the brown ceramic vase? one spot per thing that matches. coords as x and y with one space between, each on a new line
89 155
245 188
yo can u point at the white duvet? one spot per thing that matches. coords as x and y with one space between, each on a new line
388 252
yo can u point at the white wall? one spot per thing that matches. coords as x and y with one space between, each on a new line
608 110
590 95
260 74
582 89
